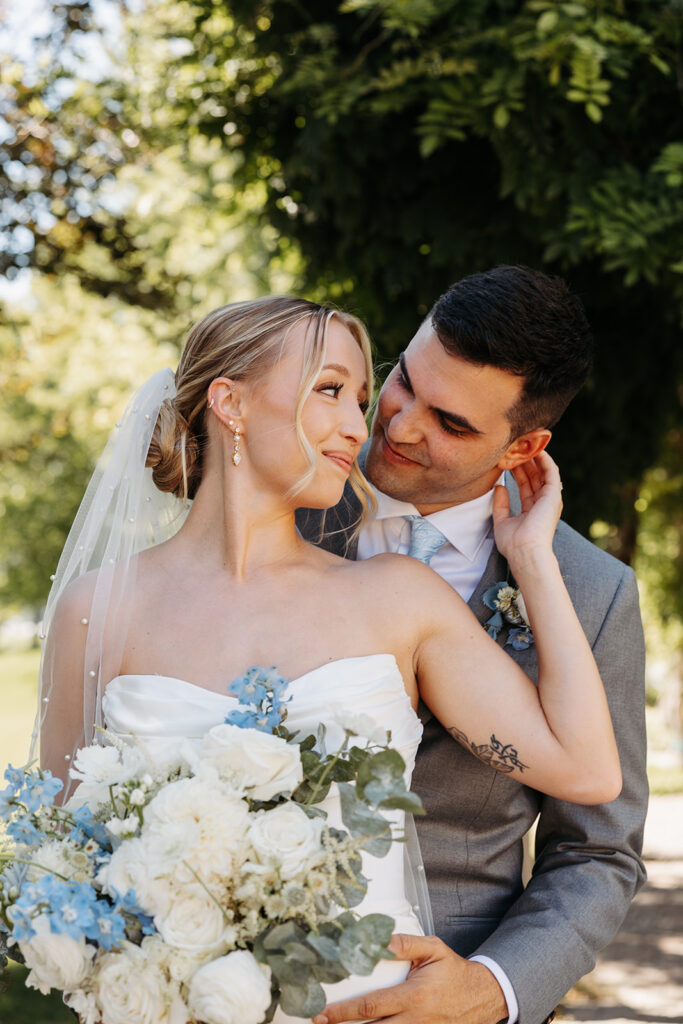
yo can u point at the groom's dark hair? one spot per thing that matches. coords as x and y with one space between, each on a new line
527 323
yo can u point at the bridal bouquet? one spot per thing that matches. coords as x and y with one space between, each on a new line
209 888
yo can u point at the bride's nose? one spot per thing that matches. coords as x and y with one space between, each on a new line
354 426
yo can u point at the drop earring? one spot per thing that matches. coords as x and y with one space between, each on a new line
236 453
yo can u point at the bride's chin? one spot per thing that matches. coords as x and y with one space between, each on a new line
319 497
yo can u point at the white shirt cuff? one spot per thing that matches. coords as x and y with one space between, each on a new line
504 982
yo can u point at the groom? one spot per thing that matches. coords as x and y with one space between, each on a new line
475 394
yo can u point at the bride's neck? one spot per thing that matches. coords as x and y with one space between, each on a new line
240 527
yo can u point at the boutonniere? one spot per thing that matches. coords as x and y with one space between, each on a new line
507 604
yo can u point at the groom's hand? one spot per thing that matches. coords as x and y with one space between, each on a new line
442 988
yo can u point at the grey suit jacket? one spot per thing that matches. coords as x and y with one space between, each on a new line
588 865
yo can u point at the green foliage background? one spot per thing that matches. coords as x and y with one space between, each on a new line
369 152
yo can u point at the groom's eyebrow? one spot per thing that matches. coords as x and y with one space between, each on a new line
454 418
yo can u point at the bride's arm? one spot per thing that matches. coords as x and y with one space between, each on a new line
556 737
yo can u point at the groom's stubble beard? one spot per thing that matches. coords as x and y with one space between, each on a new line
421 483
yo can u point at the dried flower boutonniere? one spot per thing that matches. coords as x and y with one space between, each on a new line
507 604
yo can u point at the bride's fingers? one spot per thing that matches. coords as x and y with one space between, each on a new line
501 504
521 475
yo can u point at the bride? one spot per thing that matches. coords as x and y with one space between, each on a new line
168 590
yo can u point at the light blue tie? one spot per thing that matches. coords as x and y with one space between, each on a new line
425 539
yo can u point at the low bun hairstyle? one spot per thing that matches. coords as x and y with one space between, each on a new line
240 341
173 453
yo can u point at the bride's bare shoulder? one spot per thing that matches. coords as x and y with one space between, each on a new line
397 573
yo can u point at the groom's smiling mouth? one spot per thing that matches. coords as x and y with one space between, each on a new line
392 455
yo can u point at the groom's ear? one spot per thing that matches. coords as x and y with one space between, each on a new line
525 447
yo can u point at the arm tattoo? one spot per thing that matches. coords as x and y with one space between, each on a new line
503 757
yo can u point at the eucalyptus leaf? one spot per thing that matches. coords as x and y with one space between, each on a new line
288 971
324 946
409 802
361 821
304 1001
281 934
301 953
353 956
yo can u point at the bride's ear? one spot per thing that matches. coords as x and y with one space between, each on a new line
225 400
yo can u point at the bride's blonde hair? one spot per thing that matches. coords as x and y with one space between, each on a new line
240 341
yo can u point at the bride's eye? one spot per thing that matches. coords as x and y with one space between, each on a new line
324 389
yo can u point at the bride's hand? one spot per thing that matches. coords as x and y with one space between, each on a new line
540 491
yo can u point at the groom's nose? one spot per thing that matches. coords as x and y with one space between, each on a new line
404 425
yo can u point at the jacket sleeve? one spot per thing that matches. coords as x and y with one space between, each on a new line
588 866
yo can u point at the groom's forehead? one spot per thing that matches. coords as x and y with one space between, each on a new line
447 380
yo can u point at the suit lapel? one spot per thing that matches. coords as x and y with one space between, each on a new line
494 571
496 567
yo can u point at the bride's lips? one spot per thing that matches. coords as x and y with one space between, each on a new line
393 456
343 459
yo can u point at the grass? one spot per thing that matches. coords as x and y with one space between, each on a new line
665 780
21 1005
18 679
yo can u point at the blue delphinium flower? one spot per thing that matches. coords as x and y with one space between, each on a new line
40 790
262 690
109 926
84 827
128 904
15 776
520 638
24 831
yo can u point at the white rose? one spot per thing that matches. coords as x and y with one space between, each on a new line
217 818
129 868
235 989
56 961
131 989
264 764
195 923
167 845
359 725
287 837
98 767
84 1004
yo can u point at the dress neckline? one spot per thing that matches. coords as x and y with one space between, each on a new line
228 696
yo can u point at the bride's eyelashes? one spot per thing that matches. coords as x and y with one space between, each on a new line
363 403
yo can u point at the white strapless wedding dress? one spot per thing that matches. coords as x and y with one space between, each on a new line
153 708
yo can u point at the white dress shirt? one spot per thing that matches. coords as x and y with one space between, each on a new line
468 529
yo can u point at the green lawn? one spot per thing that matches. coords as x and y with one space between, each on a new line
18 678
21 1005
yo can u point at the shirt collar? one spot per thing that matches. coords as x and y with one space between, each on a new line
465 526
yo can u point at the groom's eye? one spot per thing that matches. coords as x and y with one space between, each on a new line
450 429
402 381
